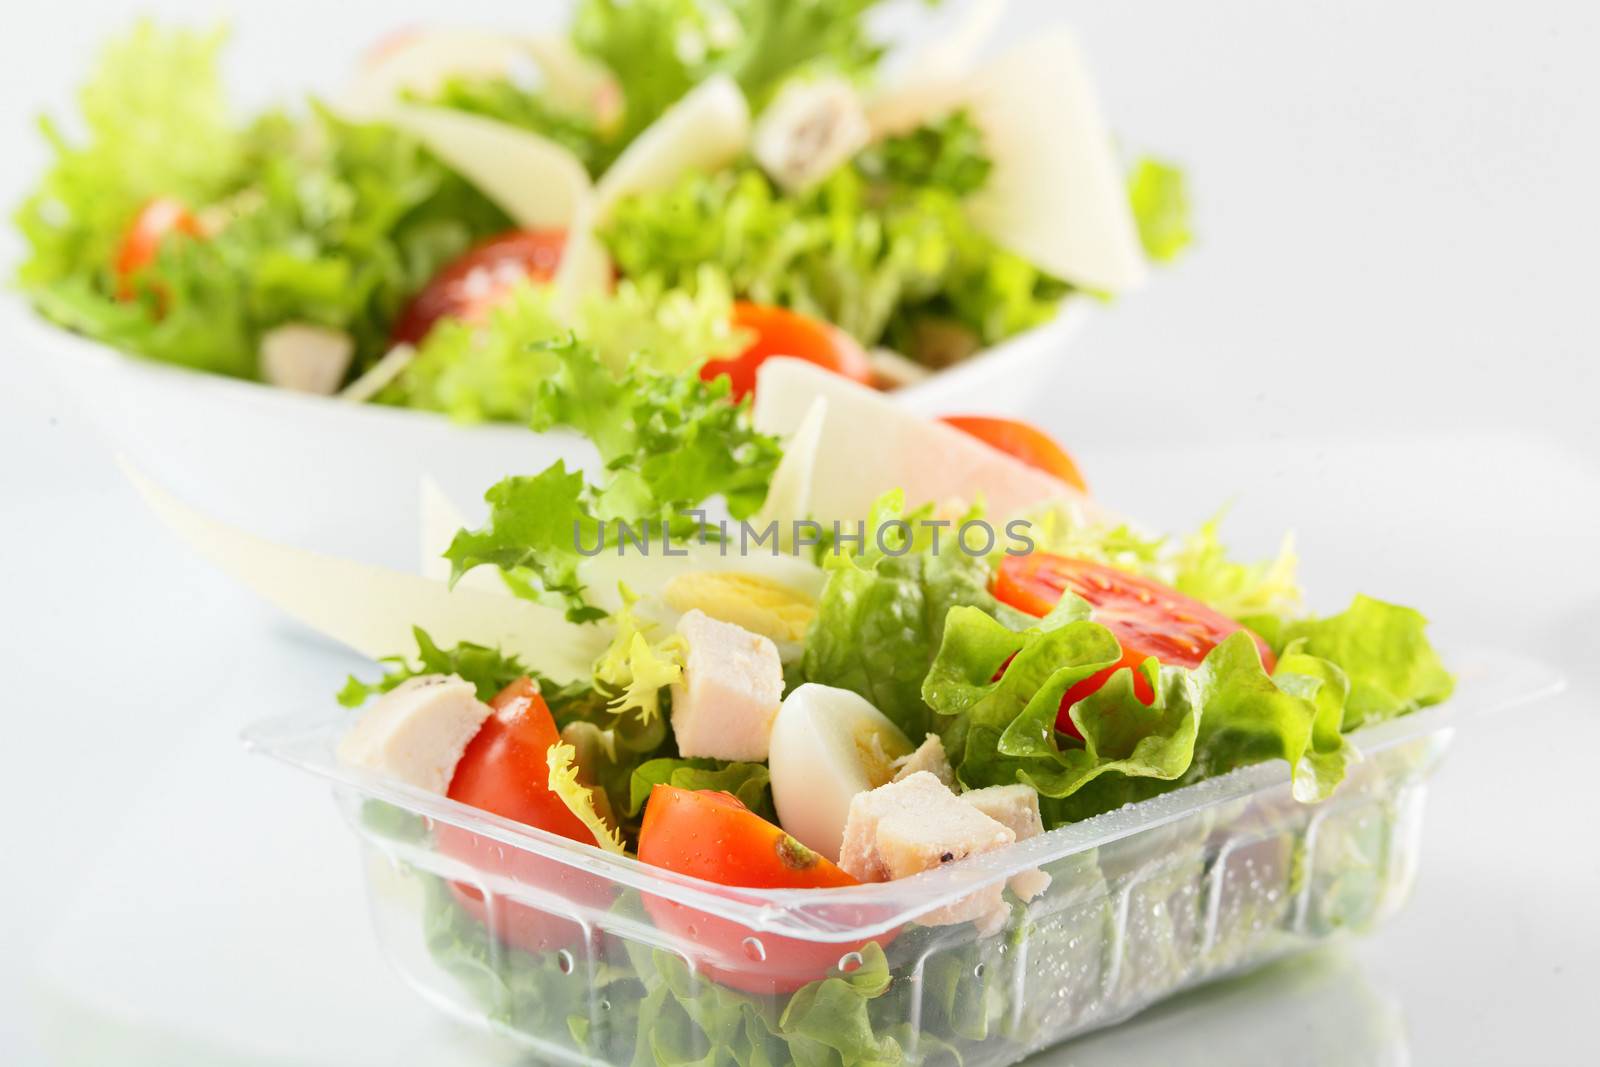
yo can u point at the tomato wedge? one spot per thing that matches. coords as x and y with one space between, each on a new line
713 836
503 771
155 222
1146 617
1025 442
781 332
474 282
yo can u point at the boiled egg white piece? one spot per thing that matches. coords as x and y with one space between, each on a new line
828 745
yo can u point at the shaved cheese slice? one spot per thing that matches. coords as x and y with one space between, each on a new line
1056 195
585 266
789 493
421 61
572 81
705 130
439 522
869 445
439 519
537 182
375 378
924 80
372 609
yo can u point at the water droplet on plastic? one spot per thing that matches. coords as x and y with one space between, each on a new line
755 949
977 972
565 961
850 961
605 1005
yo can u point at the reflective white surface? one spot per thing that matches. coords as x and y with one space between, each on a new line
1386 342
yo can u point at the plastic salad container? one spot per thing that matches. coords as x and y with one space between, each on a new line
561 947
311 471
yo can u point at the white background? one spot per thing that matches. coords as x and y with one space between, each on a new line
1386 339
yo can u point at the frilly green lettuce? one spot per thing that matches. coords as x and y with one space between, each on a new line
881 618
496 370
561 758
667 442
634 667
883 260
750 782
309 218
998 691
1382 649
1160 200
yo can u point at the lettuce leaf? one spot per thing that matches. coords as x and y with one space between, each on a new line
750 782
668 443
685 1020
496 370
488 669
947 153
881 618
156 124
998 692
308 218
1160 199
633 667
532 534
504 100
828 1022
1382 649
561 758
660 49
885 261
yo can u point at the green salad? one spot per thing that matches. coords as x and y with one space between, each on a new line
684 186
874 700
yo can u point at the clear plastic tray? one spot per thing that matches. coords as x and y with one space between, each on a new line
555 944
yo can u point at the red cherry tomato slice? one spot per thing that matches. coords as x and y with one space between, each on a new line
1025 442
155 222
474 282
713 836
504 771
1146 617
781 332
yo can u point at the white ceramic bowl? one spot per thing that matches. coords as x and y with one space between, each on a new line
343 478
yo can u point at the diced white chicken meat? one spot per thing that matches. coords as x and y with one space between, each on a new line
916 825
1017 808
305 358
732 685
416 732
809 131
930 757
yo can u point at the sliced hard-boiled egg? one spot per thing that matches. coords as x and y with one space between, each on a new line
828 745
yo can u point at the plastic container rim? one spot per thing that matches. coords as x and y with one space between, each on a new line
1488 681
